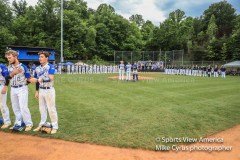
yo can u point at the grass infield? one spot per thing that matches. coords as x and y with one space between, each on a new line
95 109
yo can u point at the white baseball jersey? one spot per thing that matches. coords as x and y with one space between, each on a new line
20 78
128 67
44 72
121 66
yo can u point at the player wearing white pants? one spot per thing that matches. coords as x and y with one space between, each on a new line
47 103
19 99
128 71
223 72
4 109
3 97
19 75
59 69
45 92
121 70
215 71
68 69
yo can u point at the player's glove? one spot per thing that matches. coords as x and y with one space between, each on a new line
46 128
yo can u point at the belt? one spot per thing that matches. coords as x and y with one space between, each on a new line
17 86
45 87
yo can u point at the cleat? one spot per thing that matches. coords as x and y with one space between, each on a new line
5 126
28 128
37 129
54 131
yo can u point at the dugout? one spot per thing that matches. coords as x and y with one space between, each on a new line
233 68
29 55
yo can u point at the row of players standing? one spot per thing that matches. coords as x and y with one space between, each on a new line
88 69
202 71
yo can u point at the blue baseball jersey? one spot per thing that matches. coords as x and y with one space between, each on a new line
121 66
20 78
3 73
43 72
128 67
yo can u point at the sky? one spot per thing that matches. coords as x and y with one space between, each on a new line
155 10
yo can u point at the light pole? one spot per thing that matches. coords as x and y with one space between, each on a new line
62 31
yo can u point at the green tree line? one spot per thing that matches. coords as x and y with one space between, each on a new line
96 34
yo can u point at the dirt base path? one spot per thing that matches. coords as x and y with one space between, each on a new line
23 147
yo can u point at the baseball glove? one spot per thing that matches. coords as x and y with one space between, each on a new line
46 128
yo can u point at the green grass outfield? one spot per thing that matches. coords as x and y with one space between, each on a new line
95 109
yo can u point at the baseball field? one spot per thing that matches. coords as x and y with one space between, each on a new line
98 110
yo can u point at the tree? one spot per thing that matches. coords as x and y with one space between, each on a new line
212 28
234 41
138 19
212 49
19 7
147 32
5 14
6 36
224 52
105 8
177 16
225 16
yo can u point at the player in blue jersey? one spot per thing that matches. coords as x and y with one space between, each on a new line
135 72
128 71
19 76
3 97
45 92
121 70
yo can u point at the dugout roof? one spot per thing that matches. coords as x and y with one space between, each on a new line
233 64
27 53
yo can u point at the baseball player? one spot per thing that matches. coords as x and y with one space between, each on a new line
59 68
135 72
215 71
3 97
223 72
121 70
209 71
98 69
90 71
204 73
94 68
128 71
76 68
45 92
84 69
72 69
68 69
19 76
80 69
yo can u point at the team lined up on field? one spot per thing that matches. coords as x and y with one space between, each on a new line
89 69
101 69
202 71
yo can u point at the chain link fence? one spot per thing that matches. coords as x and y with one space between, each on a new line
168 57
